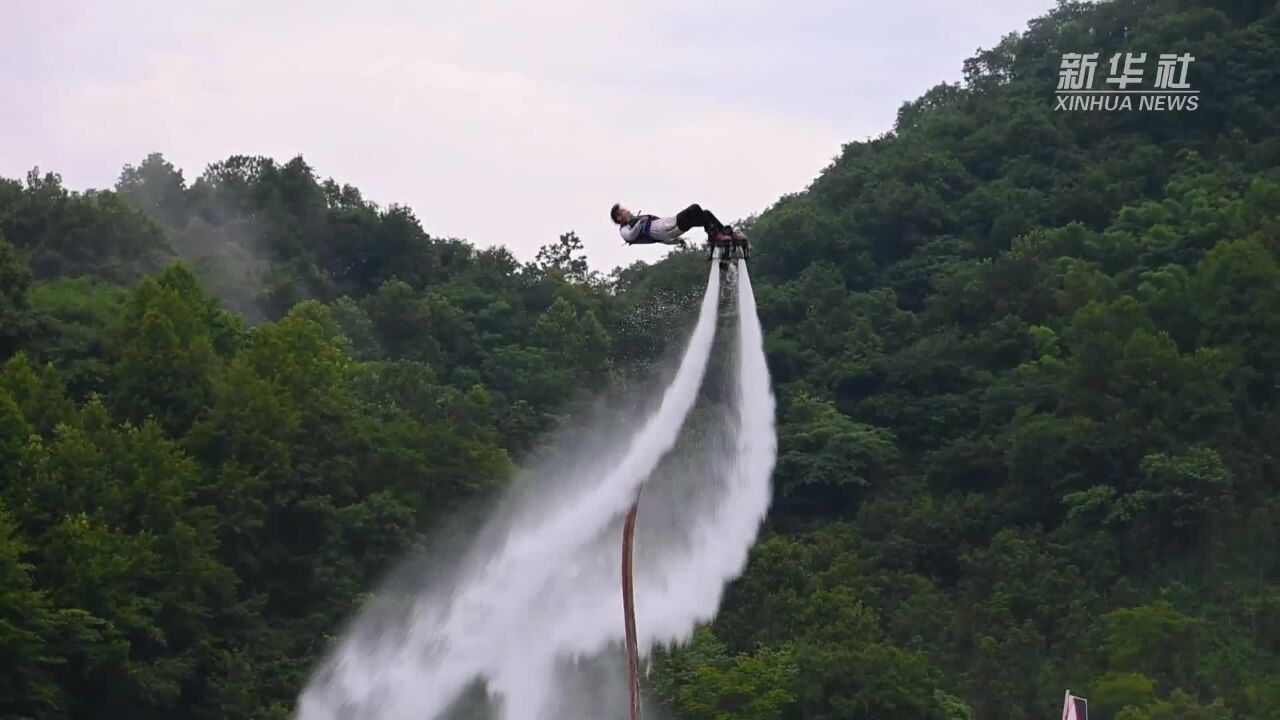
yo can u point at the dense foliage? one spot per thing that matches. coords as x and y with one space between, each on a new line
1026 362
189 507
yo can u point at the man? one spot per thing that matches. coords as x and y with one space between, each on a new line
646 229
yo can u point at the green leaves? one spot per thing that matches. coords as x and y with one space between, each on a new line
67 233
15 279
1118 690
839 681
757 686
565 258
575 339
825 455
28 626
1191 486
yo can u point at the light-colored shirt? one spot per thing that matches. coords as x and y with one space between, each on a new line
661 229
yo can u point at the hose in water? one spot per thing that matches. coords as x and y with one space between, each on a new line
629 612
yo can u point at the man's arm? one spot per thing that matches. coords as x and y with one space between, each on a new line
631 232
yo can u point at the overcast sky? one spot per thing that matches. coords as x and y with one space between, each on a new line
502 122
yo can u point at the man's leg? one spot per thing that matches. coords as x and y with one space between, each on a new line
712 223
689 217
695 216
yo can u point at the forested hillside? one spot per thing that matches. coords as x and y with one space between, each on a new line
191 507
1028 368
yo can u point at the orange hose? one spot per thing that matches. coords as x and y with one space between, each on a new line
629 612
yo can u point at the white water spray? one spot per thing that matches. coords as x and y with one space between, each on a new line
534 613
680 580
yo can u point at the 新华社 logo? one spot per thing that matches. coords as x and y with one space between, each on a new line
1123 85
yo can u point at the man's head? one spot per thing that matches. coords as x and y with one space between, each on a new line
619 214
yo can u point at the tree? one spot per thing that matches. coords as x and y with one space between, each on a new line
828 460
170 342
564 257
28 629
15 279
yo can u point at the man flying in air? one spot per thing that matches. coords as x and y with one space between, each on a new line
646 229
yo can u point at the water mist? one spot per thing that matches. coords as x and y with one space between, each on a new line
530 611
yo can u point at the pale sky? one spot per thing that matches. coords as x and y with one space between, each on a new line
502 122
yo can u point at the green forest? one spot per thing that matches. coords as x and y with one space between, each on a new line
1027 364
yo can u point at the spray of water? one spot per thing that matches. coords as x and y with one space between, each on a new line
684 562
533 610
